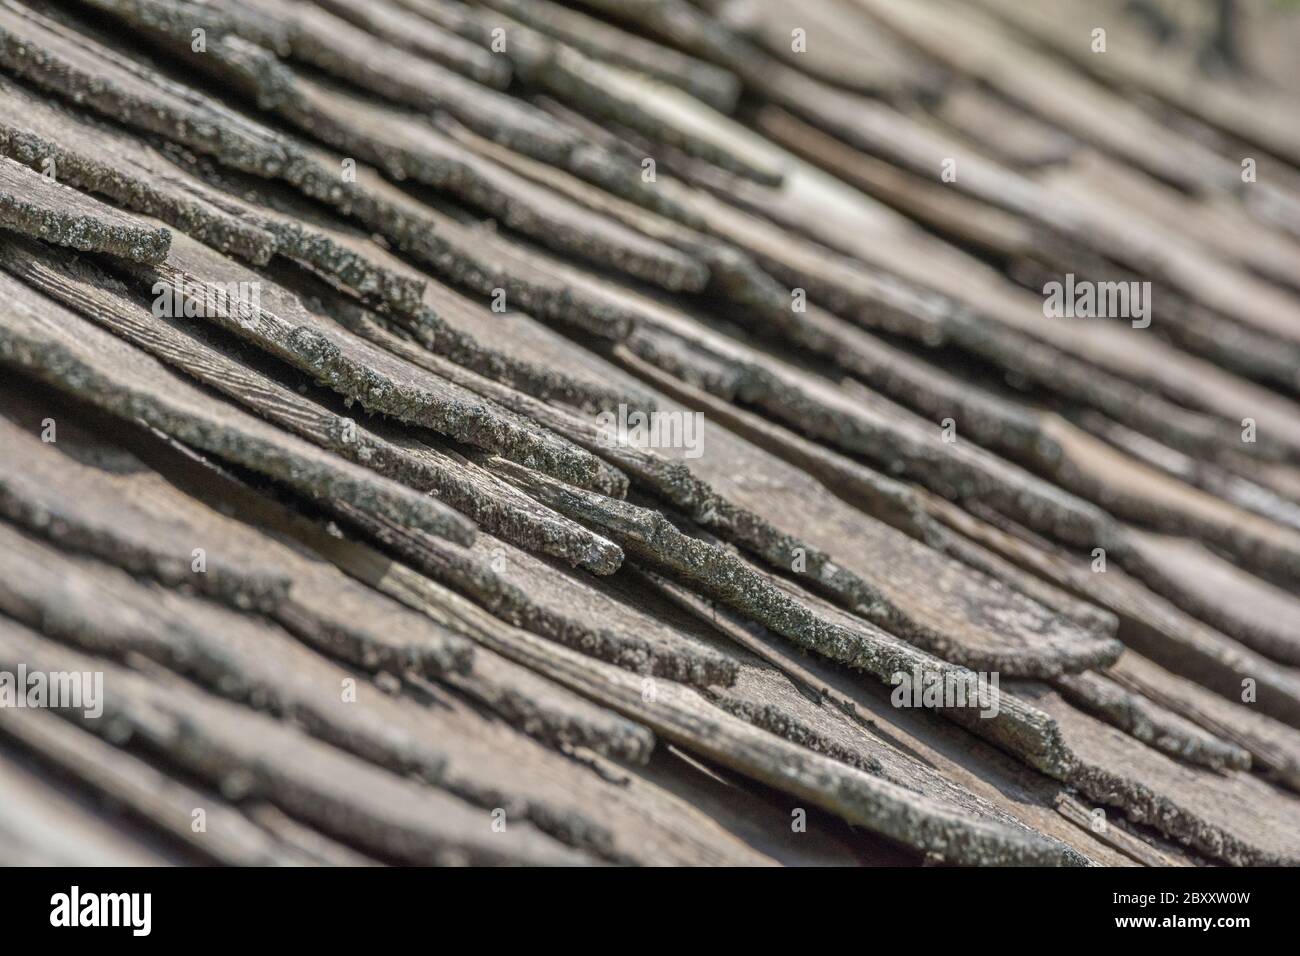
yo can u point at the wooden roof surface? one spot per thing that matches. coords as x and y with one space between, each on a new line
328 330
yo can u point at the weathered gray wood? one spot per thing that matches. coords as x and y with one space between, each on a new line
281 324
1211 305
504 345
1142 852
950 213
1139 493
332 613
1017 788
335 46
407 147
878 571
41 825
1217 101
324 608
762 817
309 235
161 801
866 122
588 83
61 60
571 609
475 255
456 247
825 512
424 37
1240 483
248 67
1148 623
420 464
880 431
1150 723
174 17
715 86
516 350
312 35
765 519
543 709
55 345
842 46
591 85
303 838
97 158
38 206
1283 480
892 502
1219 224
894 581
542 599
719 573
247 754
792 703
1271 743
860 421
1061 352
88 495
1261 616
1001 128
1230 816
621 145
681 715
640 823
102 611
731 272
972 44
92 496
860 292
589 619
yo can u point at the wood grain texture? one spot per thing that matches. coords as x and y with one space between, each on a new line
322 326
74 355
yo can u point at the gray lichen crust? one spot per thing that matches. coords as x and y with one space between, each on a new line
41 207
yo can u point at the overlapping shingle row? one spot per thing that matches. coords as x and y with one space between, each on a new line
326 327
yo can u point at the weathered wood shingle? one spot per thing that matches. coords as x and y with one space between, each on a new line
433 413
